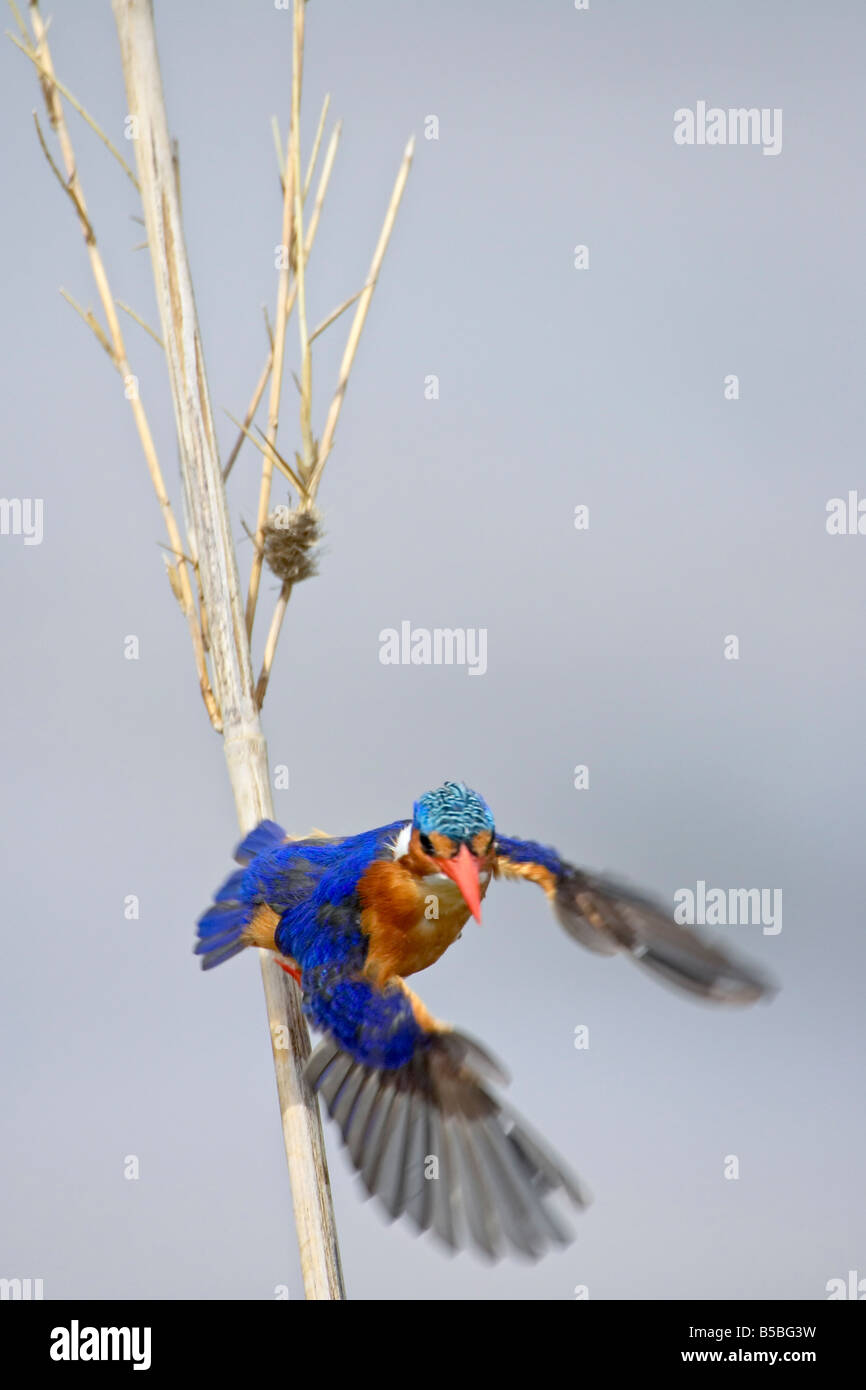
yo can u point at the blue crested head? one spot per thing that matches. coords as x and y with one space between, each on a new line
453 810
453 834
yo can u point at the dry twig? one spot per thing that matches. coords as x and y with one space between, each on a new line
117 348
313 479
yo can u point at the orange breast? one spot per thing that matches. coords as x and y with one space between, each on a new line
409 923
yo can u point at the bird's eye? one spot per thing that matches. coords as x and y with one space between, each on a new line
426 843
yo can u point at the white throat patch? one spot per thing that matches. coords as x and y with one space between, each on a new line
401 844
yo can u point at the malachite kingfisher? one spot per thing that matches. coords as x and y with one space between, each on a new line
350 918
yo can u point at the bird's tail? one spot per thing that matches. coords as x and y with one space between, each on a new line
221 928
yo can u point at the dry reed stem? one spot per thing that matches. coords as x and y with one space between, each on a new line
276 381
336 313
141 323
314 153
278 149
271 641
72 185
268 450
327 441
76 104
92 323
290 235
324 180
306 386
245 748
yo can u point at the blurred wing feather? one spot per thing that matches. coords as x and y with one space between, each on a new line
608 917
492 1182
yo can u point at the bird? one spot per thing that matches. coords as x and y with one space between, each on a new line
417 1102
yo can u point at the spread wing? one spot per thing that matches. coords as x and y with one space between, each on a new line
427 1133
433 1143
608 917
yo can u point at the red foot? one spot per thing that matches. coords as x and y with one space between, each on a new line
290 970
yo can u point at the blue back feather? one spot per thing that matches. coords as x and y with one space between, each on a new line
267 835
317 880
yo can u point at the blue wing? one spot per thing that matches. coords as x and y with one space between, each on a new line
428 1137
282 872
297 879
607 917
403 1092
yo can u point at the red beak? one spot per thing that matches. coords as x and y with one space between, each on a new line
463 868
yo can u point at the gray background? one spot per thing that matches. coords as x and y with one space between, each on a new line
605 648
